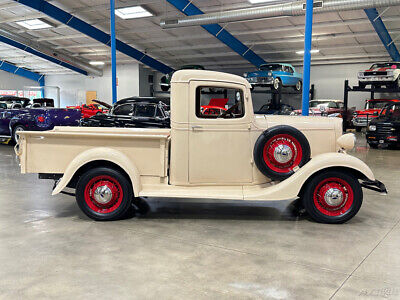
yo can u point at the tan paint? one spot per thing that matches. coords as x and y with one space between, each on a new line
209 158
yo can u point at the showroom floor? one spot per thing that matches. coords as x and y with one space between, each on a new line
196 250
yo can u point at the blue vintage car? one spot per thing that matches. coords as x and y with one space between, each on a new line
275 75
15 116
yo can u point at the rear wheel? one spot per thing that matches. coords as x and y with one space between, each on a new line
298 86
104 194
17 129
333 197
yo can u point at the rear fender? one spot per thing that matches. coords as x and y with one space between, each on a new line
291 187
100 154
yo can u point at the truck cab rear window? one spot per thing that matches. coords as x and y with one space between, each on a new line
214 103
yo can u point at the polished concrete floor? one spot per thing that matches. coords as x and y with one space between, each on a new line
196 250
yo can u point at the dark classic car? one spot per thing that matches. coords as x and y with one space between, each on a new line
16 116
385 129
139 112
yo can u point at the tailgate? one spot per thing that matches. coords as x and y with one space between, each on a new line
51 152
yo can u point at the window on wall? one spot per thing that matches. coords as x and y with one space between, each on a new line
215 103
8 93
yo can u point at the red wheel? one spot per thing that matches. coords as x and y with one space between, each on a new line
333 197
279 150
282 153
104 194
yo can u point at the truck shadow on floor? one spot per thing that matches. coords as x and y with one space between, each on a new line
227 210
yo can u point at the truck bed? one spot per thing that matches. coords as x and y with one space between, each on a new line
52 151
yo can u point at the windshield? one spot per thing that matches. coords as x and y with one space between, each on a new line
318 103
271 67
144 110
392 111
385 65
376 104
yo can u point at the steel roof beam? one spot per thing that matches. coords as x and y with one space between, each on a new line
93 32
189 9
10 68
383 33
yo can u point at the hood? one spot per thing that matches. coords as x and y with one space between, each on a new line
106 105
370 111
259 73
299 122
379 69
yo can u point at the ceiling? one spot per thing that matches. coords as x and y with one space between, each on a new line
343 37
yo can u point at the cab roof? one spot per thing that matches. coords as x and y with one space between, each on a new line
185 76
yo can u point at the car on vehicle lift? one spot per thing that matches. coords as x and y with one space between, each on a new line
276 76
381 74
384 130
139 112
236 156
361 118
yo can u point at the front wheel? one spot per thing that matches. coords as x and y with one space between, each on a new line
333 197
277 84
104 194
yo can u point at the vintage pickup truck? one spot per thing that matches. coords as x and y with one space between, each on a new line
235 155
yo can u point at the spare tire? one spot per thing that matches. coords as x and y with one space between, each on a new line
279 150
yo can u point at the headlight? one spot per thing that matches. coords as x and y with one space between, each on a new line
245 75
372 128
347 141
270 74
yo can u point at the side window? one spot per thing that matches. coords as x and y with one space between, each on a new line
123 110
145 110
226 103
291 70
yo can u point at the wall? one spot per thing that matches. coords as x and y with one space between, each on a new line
9 81
73 87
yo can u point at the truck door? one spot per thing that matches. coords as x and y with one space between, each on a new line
219 142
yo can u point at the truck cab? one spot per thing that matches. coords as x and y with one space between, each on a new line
234 155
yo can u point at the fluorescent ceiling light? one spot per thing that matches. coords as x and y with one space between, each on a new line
132 12
97 63
34 24
312 51
261 1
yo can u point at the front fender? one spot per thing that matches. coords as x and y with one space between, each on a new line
291 187
104 154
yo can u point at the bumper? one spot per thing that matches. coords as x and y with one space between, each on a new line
382 140
377 79
360 122
376 186
260 81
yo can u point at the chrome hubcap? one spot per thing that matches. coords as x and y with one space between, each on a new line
103 194
333 197
276 84
283 154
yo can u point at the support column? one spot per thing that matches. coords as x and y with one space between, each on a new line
307 57
113 52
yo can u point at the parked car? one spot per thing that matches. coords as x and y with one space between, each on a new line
361 118
385 129
140 112
165 83
16 118
329 108
381 74
235 156
270 109
276 76
89 110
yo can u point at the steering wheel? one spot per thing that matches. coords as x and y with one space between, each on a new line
229 111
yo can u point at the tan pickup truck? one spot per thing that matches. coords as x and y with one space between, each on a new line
228 154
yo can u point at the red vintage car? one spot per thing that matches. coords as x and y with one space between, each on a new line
361 118
89 110
215 108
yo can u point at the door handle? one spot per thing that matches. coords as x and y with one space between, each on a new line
194 128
